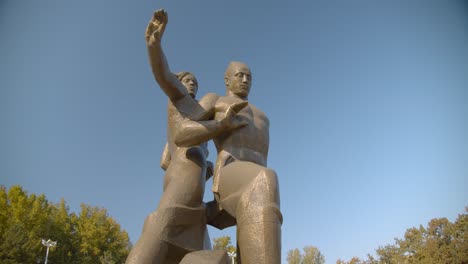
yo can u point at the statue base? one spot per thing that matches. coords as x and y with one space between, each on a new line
206 257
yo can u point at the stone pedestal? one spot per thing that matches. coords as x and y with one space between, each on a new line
206 257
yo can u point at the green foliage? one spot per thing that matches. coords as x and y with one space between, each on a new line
90 237
311 255
223 242
441 242
356 260
294 256
100 236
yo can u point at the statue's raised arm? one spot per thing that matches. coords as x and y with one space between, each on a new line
168 82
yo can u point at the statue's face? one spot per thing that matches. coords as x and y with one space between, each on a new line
191 83
239 79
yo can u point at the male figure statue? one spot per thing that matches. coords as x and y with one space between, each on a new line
244 187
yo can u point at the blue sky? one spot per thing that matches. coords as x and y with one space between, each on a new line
367 103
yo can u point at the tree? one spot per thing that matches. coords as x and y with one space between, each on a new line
441 242
90 237
460 238
294 256
26 222
224 243
311 255
99 235
354 260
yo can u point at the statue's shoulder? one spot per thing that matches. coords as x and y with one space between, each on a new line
256 109
208 101
228 100
209 97
259 113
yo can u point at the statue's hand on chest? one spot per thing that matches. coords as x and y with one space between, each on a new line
231 114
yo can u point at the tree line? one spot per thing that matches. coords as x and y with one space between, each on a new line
90 236
440 242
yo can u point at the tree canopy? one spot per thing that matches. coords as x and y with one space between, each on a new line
224 242
441 242
311 255
91 236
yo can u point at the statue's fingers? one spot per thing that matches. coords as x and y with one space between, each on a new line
149 28
159 16
159 11
156 14
229 112
239 106
240 123
155 34
166 17
234 109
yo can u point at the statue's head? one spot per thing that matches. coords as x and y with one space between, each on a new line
189 81
238 79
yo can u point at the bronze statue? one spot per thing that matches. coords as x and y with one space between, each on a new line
243 186
246 191
178 226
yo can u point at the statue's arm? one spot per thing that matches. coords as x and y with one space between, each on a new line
191 133
168 82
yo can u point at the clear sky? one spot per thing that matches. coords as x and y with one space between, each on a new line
367 102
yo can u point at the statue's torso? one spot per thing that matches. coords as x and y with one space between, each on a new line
174 120
249 143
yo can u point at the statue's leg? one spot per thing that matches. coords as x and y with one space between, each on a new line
255 205
167 234
259 220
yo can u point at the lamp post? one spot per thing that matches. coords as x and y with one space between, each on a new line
232 255
49 243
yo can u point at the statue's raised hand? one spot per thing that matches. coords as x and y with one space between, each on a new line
156 27
229 121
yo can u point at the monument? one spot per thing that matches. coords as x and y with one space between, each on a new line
246 191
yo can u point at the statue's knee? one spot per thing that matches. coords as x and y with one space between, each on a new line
269 185
152 217
270 176
260 201
149 221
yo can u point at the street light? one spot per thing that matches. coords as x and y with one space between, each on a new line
232 255
49 243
